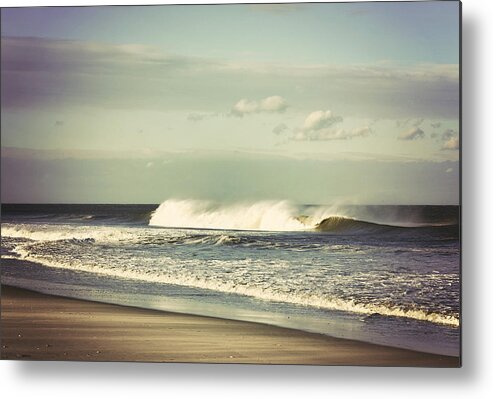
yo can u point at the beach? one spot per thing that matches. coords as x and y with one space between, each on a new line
44 327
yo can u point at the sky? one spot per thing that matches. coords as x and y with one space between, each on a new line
313 103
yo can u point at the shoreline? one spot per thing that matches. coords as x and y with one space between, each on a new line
37 326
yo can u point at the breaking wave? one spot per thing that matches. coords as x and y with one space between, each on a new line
268 216
264 215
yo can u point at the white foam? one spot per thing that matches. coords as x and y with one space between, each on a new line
263 215
62 232
264 293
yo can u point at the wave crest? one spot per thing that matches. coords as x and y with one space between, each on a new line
342 224
269 216
263 215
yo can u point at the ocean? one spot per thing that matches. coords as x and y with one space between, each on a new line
381 274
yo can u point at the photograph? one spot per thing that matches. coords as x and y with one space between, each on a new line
269 184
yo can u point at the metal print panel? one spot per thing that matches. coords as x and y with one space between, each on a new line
243 183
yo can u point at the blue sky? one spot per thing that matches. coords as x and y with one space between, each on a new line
314 33
362 84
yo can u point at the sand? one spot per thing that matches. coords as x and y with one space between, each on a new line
44 327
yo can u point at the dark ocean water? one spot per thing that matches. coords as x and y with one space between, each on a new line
383 274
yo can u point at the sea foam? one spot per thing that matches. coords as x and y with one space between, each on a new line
262 215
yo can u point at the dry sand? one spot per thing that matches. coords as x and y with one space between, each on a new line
44 327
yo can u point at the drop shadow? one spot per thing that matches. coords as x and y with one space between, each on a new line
471 200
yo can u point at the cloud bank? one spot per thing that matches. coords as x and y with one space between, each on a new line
62 73
221 177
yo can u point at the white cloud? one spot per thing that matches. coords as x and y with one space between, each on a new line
269 104
245 106
449 170
412 134
323 126
320 119
273 104
319 126
451 144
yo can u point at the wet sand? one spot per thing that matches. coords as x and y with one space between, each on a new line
44 327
